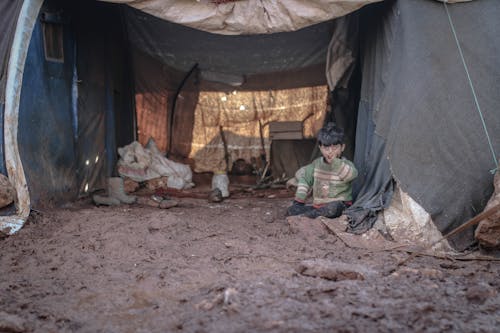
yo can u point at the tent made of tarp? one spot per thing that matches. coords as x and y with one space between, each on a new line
414 83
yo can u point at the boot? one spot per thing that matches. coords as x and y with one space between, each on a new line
331 210
117 191
103 200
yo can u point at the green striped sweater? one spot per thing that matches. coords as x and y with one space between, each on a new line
329 182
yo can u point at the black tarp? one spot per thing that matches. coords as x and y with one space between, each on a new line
427 129
181 47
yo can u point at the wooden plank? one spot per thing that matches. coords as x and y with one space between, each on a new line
285 126
286 136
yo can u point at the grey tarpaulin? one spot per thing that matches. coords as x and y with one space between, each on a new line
181 47
428 130
9 12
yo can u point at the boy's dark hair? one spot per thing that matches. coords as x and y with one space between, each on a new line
330 134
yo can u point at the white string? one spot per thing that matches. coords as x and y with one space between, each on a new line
471 87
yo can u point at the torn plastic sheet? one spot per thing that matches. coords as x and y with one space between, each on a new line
247 17
145 163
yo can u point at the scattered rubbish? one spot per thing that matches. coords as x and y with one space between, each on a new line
269 217
228 299
143 164
148 201
157 202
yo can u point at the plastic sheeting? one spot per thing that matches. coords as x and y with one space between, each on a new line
416 90
408 223
9 12
244 118
247 17
45 134
180 47
185 78
67 152
145 163
13 163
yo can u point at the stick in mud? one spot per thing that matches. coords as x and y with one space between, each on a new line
475 220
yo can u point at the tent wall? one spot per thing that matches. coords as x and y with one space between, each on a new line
417 91
105 92
185 77
9 11
45 134
67 136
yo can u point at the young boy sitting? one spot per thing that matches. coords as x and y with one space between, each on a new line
329 176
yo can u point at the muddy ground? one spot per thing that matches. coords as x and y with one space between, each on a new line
235 266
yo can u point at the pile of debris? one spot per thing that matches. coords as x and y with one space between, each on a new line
149 167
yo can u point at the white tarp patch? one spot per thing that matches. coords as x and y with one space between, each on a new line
247 17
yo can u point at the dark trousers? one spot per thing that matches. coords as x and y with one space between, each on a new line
331 210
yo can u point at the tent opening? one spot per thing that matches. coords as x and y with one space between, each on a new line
248 105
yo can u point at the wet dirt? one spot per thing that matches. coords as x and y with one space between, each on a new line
232 266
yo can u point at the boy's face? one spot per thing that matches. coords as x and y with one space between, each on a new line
331 152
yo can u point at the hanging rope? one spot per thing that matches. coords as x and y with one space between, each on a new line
472 87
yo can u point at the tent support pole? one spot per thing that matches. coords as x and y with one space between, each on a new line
170 122
22 36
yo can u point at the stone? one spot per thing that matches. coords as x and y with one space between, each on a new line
11 323
478 294
215 195
309 229
334 270
168 203
148 201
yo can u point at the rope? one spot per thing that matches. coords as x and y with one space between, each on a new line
472 88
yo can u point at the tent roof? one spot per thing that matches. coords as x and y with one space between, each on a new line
243 17
247 17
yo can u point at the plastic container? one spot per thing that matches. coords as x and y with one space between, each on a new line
220 180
